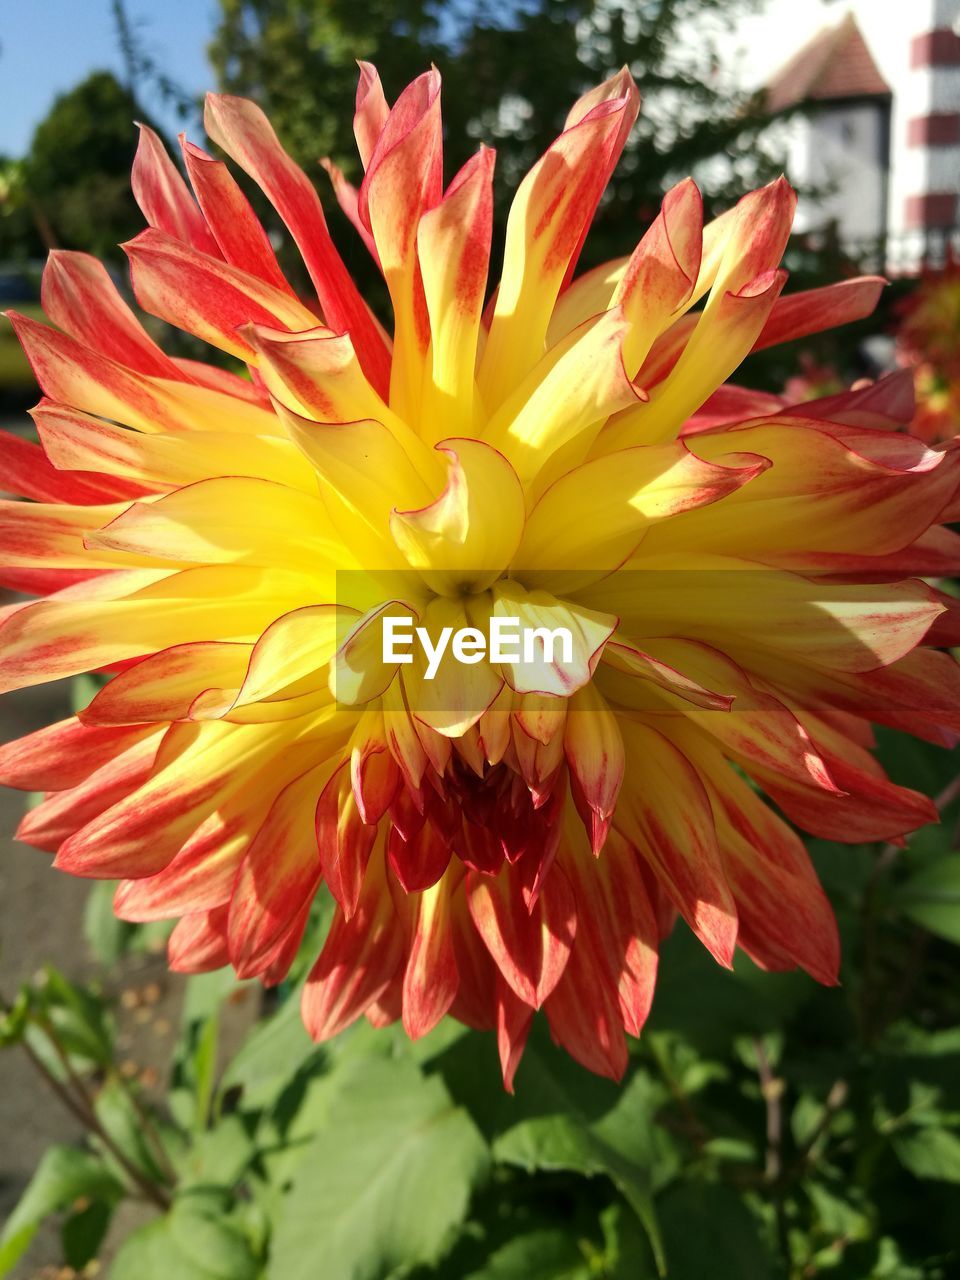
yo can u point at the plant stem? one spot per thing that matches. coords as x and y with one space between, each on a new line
771 1088
149 1129
79 1105
835 1100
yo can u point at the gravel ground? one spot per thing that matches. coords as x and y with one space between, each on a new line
40 921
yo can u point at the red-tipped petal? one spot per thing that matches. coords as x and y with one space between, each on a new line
530 947
164 197
198 943
358 962
345 842
280 872
243 131
431 978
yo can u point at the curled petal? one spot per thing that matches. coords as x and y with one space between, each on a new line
548 623
451 542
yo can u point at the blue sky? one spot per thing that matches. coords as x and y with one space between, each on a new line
47 46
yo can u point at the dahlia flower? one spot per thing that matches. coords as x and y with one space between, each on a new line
560 450
928 342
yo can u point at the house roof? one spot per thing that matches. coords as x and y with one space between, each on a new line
835 64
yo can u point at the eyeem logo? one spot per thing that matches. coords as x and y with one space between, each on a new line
507 641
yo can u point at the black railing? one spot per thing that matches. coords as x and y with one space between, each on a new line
906 253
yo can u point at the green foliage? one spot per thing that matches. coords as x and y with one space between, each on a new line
193 1242
77 171
63 1176
385 1181
931 897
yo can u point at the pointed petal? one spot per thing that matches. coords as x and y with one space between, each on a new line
245 134
530 947
665 812
404 178
430 979
594 751
164 197
206 296
453 248
62 755
344 841
358 962
548 221
80 298
198 943
235 227
280 873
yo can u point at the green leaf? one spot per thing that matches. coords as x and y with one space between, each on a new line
63 1175
82 1233
195 1061
210 1243
836 1214
550 1254
206 992
187 1244
709 1005
931 897
106 937
119 1117
566 1142
78 1016
914 763
708 1231
627 1255
271 1055
929 1153
13 1023
218 1157
384 1184
570 1120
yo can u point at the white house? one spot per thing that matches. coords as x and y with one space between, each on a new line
880 132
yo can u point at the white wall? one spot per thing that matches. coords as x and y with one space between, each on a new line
839 152
764 42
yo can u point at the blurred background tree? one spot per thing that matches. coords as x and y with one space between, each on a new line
74 184
515 67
